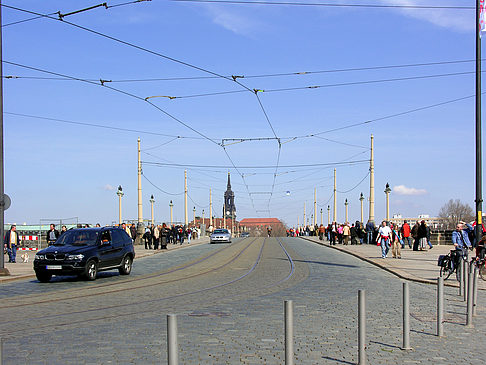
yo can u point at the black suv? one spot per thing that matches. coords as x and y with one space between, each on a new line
84 252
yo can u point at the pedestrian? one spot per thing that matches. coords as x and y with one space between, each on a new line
406 234
340 230
52 235
11 241
189 234
370 228
414 234
333 233
422 235
346 233
127 230
460 240
396 245
322 230
383 239
147 238
156 236
133 231
428 236
354 234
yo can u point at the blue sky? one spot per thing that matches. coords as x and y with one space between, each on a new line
57 170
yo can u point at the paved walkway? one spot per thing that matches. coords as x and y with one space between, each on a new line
419 266
25 270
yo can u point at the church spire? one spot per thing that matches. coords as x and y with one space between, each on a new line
229 182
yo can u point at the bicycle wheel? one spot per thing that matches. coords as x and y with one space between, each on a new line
446 269
482 270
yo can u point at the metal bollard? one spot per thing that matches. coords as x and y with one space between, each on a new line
464 278
475 289
461 281
289 332
1 351
361 327
440 306
172 347
406 317
469 300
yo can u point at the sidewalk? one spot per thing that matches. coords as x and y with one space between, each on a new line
21 270
419 266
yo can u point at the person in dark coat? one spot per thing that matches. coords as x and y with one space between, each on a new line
422 235
11 242
414 235
147 238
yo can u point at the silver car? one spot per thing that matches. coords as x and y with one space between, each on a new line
220 235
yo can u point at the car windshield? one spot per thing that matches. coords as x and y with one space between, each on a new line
78 238
221 231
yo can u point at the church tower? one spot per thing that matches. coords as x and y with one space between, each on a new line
229 201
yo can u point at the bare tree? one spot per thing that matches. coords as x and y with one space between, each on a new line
454 211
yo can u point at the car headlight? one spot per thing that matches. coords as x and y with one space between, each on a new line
75 257
39 257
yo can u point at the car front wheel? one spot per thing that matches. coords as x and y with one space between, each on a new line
126 266
91 270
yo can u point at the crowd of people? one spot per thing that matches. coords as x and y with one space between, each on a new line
387 235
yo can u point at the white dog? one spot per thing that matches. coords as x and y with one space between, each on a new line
25 257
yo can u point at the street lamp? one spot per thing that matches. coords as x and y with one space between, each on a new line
328 215
346 209
120 194
171 206
194 214
387 192
321 216
203 216
361 198
152 201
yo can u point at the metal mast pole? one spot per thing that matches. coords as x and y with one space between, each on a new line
335 198
372 184
315 206
304 223
479 199
140 215
186 221
210 209
3 269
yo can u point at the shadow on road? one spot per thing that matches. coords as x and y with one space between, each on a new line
319 263
338 360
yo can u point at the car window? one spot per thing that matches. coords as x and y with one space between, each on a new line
221 231
78 238
105 237
118 237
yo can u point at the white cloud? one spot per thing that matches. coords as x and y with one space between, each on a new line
108 187
403 190
460 20
233 21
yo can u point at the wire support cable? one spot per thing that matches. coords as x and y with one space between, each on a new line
354 187
337 5
300 73
161 164
158 188
196 204
121 92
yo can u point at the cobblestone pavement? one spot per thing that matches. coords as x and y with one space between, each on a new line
418 266
237 315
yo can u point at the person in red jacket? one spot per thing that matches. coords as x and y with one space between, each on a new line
406 234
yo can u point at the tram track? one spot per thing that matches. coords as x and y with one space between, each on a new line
144 303
144 278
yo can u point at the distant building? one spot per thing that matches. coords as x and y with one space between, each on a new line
432 222
229 201
258 226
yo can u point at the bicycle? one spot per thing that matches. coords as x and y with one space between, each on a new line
481 265
450 263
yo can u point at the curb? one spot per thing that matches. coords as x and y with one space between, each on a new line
391 271
139 256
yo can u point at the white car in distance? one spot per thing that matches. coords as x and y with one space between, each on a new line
220 235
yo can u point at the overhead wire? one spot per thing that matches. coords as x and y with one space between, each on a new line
121 92
337 5
101 126
299 73
158 188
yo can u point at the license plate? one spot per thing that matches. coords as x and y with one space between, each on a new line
53 267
